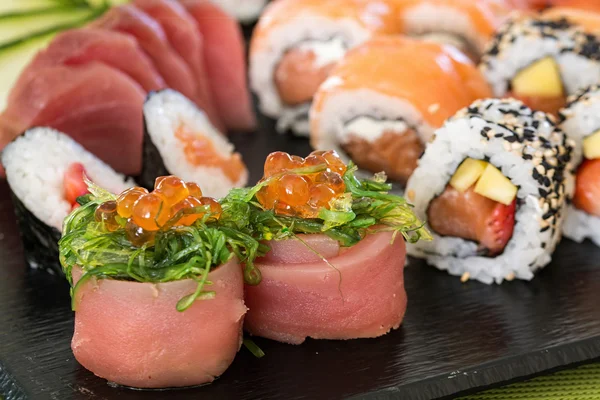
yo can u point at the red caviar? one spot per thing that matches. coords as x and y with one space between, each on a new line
294 193
173 202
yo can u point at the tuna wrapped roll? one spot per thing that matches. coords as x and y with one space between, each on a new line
337 252
45 170
541 60
157 285
179 139
381 110
492 186
297 42
581 121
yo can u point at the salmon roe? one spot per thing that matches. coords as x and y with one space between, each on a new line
173 202
298 193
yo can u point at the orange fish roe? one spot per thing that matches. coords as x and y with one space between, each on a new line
301 194
173 202
199 150
106 213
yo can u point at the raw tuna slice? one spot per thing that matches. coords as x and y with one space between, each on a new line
225 63
152 38
360 295
81 46
131 333
185 38
99 106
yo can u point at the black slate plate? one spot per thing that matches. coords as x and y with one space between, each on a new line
455 337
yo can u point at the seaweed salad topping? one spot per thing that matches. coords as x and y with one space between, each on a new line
321 194
170 234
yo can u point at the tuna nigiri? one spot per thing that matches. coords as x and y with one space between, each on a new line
157 288
335 265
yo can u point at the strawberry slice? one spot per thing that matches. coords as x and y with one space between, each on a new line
471 216
74 183
587 187
499 228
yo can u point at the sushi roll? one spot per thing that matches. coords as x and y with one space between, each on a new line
179 139
492 187
581 121
45 170
245 11
588 21
380 110
337 252
297 42
541 61
157 285
466 24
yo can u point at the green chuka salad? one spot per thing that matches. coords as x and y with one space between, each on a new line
175 233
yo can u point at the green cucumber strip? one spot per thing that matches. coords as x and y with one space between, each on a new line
20 28
16 6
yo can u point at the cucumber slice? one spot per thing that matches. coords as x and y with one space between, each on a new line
18 27
14 59
15 6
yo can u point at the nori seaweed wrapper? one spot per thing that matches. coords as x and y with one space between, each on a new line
152 163
40 241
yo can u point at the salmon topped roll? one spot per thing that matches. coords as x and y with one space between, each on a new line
541 60
466 24
334 269
492 187
380 110
180 139
296 44
580 120
157 286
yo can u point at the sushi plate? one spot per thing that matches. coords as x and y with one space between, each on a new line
456 337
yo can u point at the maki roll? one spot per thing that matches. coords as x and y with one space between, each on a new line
581 121
381 110
588 21
541 60
179 139
337 252
157 286
492 186
45 170
466 24
295 45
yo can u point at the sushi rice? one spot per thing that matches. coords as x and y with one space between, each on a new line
529 150
35 164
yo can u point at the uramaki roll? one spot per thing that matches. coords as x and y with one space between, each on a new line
493 187
541 60
383 101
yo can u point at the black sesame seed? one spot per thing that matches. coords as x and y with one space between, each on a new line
543 193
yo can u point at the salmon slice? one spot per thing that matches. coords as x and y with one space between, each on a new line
587 188
152 38
224 56
301 296
74 184
131 333
471 216
81 46
184 36
98 106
